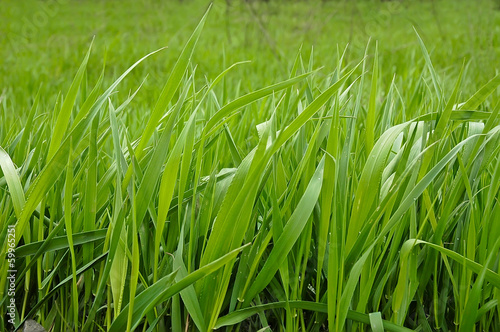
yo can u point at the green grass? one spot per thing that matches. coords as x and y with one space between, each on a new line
341 188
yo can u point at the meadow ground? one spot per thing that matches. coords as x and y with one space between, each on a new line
281 165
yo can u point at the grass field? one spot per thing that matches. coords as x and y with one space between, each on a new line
281 165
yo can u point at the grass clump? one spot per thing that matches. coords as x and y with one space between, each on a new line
336 200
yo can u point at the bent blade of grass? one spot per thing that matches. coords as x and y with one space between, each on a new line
242 314
477 99
81 270
242 101
161 291
60 242
490 276
291 232
376 322
13 182
490 305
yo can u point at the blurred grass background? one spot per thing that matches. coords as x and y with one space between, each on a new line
42 42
